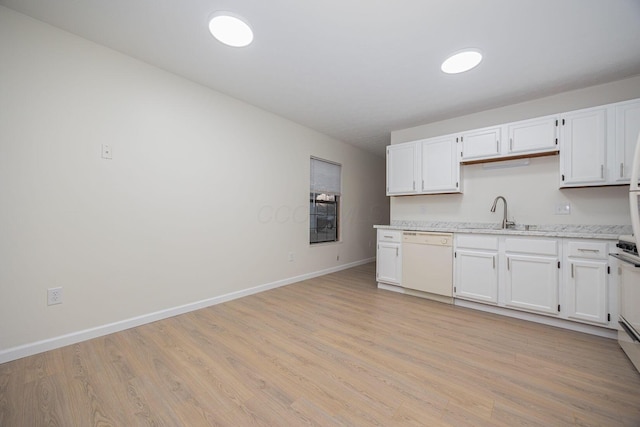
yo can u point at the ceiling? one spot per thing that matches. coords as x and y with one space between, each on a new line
358 69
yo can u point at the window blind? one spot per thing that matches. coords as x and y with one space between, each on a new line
325 176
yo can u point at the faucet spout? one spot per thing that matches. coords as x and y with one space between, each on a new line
505 222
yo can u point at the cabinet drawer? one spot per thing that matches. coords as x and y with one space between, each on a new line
591 250
394 236
532 246
472 241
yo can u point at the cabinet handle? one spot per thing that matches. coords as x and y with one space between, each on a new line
508 264
414 185
388 237
510 144
497 146
396 251
494 262
572 270
621 170
423 184
589 250
602 171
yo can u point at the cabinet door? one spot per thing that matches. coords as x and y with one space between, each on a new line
532 283
587 291
627 131
583 148
401 168
440 166
533 136
481 144
476 275
388 265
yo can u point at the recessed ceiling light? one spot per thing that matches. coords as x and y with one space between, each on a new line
230 29
461 61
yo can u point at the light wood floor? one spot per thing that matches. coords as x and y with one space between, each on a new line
334 350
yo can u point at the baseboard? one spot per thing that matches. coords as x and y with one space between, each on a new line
537 318
87 334
426 295
523 315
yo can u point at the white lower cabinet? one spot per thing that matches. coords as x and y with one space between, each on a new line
477 276
587 291
532 283
560 277
532 277
389 257
476 268
587 287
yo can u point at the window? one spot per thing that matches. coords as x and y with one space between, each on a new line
324 201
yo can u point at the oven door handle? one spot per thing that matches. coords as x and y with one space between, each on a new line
629 332
625 259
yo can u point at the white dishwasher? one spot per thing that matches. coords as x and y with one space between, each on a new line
427 264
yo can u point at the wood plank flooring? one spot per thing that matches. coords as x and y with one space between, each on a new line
329 351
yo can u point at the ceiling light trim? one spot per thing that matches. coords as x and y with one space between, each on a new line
461 61
230 29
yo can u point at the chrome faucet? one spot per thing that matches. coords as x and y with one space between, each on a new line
505 223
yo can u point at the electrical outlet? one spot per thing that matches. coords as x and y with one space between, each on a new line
54 296
107 153
290 256
563 208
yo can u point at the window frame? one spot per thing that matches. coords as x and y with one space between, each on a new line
334 191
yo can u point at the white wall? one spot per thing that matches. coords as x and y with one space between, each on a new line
532 191
205 195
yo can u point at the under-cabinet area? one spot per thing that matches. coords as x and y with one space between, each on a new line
568 281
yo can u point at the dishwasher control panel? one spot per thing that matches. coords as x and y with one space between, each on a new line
420 238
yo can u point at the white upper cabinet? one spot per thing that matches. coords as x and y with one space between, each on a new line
596 146
402 172
440 166
583 137
627 116
533 136
428 166
481 143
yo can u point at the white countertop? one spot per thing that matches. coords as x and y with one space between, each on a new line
605 232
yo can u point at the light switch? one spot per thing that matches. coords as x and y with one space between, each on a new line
106 152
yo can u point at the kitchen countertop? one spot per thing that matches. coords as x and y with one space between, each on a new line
605 232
